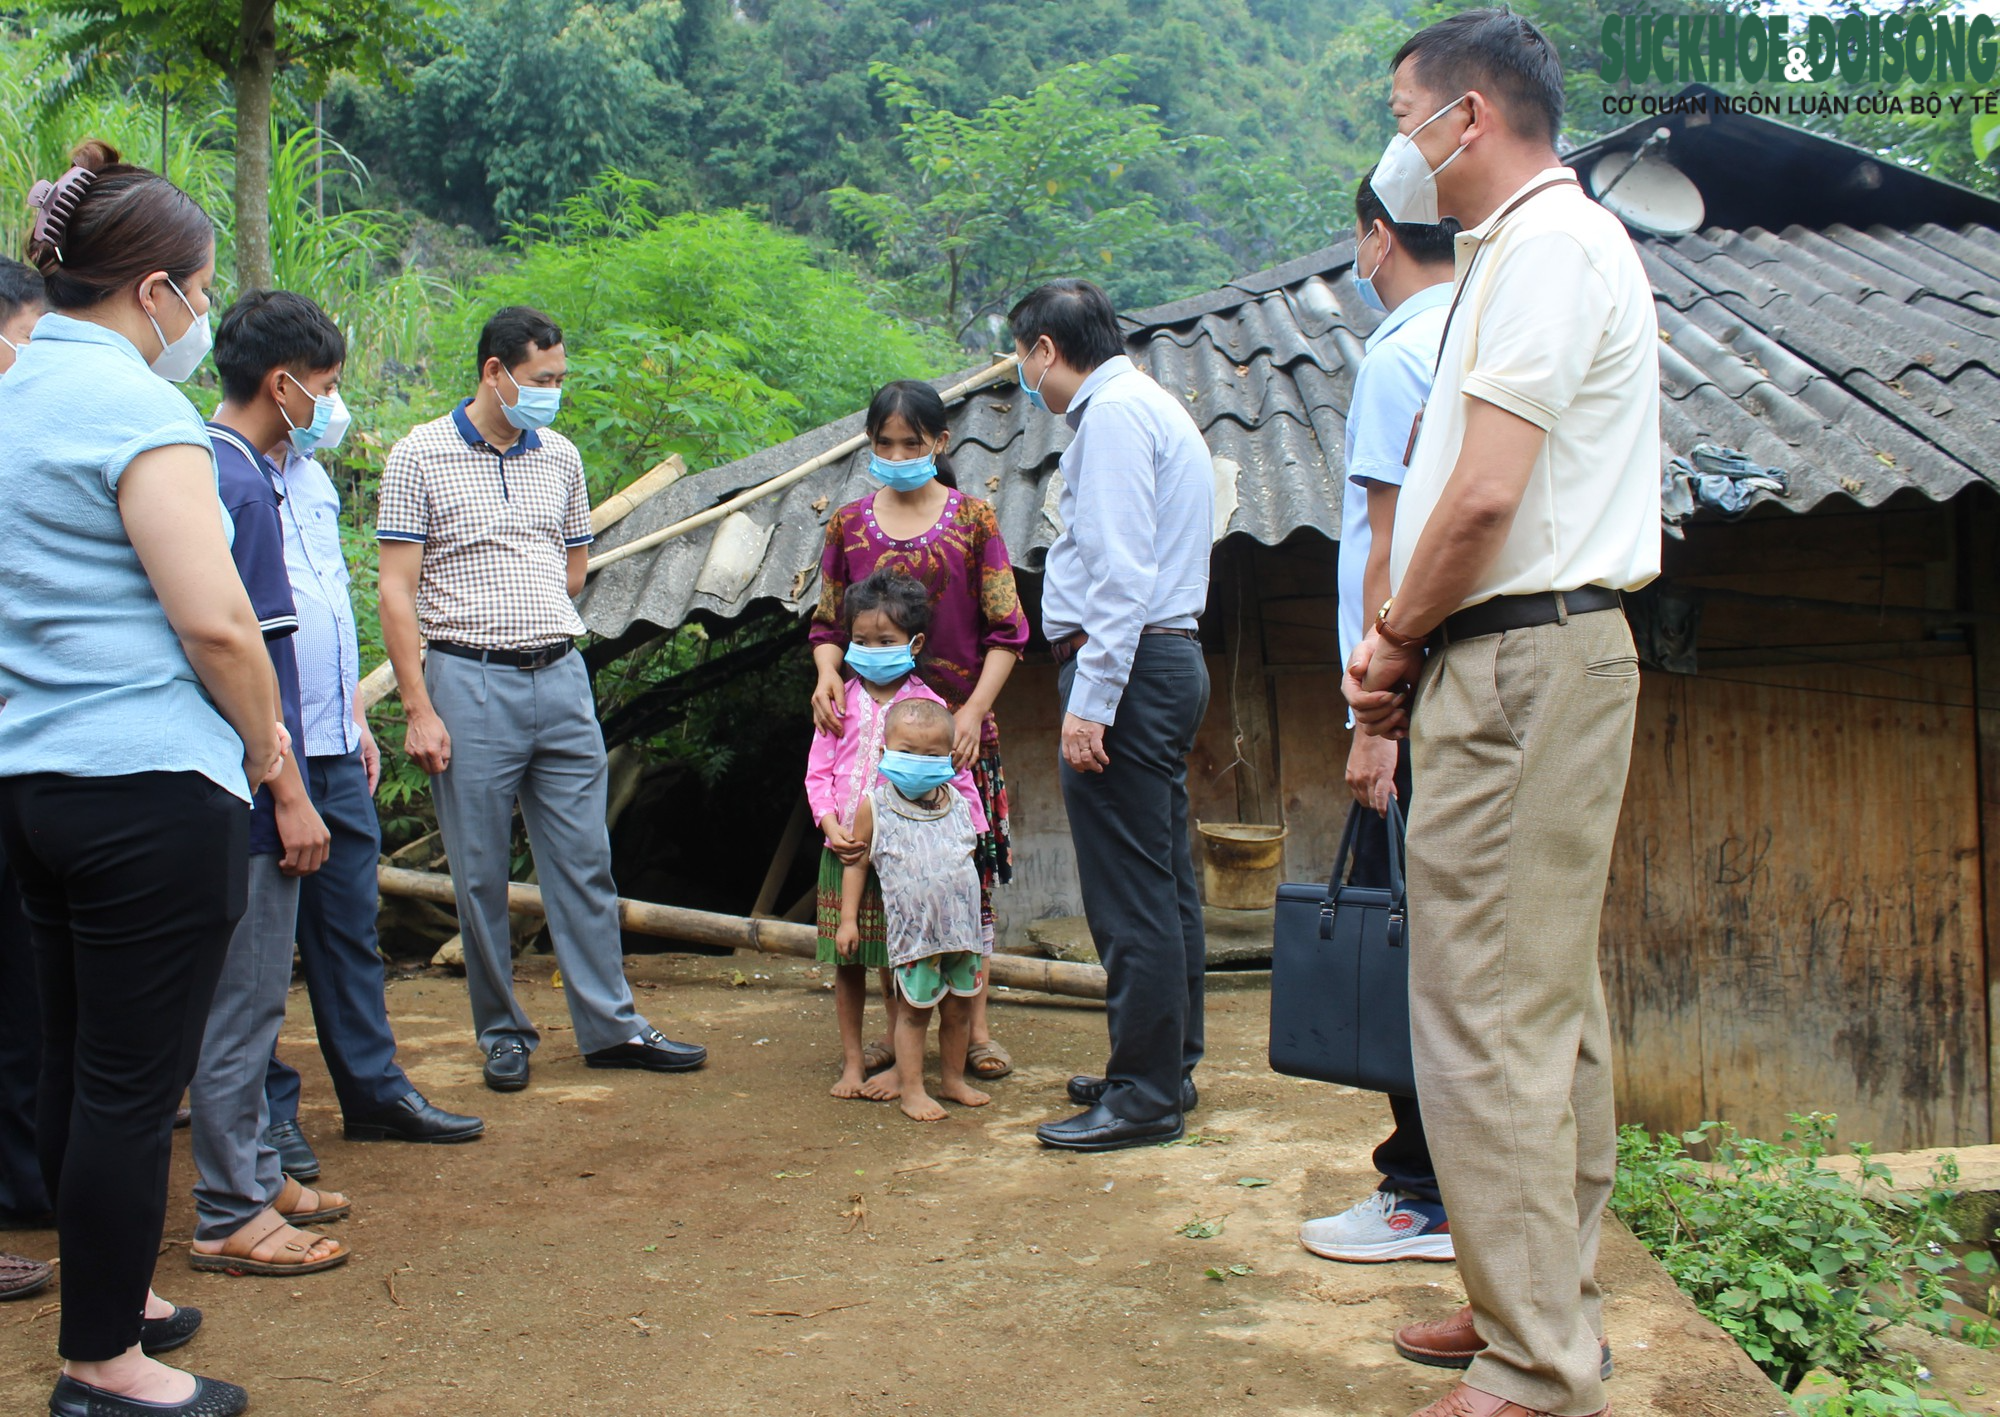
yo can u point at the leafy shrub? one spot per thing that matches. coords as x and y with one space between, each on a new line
1793 1260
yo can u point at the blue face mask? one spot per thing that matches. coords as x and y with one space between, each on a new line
917 774
906 475
305 439
1364 286
1034 394
533 407
881 664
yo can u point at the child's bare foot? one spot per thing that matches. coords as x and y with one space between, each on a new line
883 1087
851 1084
922 1108
954 1090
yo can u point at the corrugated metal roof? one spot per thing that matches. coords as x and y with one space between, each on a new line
1863 362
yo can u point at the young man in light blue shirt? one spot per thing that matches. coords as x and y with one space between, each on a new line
1125 585
1403 273
337 904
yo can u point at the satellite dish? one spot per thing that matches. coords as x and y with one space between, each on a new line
1647 193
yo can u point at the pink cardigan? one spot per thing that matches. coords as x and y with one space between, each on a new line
840 770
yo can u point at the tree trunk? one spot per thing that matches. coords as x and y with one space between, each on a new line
256 67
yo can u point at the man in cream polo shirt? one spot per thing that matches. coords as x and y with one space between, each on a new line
1531 501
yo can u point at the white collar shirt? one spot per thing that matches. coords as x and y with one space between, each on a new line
1555 324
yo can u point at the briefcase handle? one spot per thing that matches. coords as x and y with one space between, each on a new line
1398 893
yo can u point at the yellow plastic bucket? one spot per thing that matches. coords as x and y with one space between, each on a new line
1240 864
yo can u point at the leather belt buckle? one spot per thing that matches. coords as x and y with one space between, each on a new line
1068 647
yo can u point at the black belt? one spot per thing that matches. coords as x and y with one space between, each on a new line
1524 612
540 657
1069 646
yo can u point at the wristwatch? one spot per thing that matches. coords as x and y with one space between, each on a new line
1391 635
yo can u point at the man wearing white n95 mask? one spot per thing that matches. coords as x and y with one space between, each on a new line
1531 502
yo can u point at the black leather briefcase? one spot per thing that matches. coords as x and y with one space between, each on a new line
1340 976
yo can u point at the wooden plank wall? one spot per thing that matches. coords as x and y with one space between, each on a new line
1979 547
1795 920
1233 773
1030 718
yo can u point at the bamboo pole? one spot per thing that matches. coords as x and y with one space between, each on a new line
381 682
704 927
783 480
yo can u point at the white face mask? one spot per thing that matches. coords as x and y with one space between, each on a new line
336 426
1404 178
179 358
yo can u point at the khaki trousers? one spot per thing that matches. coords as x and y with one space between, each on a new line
1520 744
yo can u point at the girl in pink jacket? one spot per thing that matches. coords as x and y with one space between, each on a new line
887 615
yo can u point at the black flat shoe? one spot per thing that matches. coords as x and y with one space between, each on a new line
412 1118
1088 1091
507 1065
211 1399
157 1336
658 1054
1101 1129
295 1154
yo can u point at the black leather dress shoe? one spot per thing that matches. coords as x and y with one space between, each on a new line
658 1054
1088 1091
507 1065
1101 1129
412 1118
158 1336
211 1399
295 1154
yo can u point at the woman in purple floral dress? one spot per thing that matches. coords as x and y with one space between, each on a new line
921 524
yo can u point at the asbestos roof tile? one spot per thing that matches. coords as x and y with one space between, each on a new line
1863 363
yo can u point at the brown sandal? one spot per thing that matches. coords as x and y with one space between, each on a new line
259 1248
302 1205
988 1061
876 1056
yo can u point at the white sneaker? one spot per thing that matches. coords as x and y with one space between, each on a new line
1379 1229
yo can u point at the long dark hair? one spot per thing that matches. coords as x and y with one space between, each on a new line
127 223
918 405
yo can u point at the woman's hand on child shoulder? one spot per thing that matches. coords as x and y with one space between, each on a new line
966 726
829 704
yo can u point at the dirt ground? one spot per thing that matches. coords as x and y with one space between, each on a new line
736 1241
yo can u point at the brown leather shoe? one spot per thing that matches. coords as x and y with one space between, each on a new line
20 1276
1463 1401
1454 1343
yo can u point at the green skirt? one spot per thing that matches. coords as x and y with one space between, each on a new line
874 950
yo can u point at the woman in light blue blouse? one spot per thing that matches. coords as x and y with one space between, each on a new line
140 710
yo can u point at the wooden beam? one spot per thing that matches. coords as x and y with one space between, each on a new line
781 861
1248 694
1979 526
626 500
703 927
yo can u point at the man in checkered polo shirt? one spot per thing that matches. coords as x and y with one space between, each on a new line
484 530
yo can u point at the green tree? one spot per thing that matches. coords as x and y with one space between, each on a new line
710 335
248 42
1029 188
526 102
